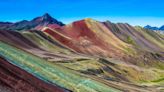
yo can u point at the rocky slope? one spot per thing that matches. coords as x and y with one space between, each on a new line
84 56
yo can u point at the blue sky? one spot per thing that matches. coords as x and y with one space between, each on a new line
134 12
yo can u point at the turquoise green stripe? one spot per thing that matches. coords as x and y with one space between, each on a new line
52 73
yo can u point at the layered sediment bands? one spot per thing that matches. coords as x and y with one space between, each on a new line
118 74
15 38
137 36
21 81
89 37
48 38
5 88
119 41
52 73
45 42
85 56
64 40
37 44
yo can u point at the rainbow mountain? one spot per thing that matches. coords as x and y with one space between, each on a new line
45 55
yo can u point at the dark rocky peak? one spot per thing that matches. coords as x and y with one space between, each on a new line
46 19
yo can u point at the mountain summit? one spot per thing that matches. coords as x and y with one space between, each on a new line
44 20
151 28
46 16
154 28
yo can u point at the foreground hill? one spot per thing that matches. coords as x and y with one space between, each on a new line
84 56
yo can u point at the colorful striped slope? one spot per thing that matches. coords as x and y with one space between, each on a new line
84 56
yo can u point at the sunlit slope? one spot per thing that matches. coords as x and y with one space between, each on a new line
137 36
88 56
38 44
44 42
70 73
153 37
50 72
111 71
90 37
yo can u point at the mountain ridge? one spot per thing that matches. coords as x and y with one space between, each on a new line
154 28
83 56
43 20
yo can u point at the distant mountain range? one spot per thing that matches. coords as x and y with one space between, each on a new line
154 28
44 20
